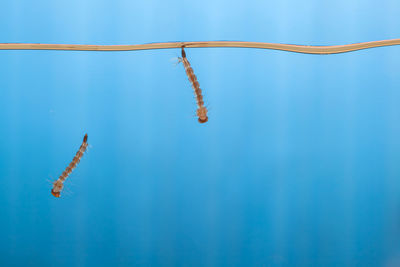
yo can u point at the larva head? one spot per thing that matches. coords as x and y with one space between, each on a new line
202 114
57 187
203 120
56 194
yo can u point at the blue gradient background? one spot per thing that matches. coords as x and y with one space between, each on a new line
297 166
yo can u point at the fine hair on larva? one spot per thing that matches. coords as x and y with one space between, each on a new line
59 183
201 109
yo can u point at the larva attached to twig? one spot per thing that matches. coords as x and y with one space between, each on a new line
59 183
201 109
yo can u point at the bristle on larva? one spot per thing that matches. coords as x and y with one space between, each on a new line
201 109
59 183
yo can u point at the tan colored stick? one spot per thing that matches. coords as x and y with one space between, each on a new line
306 49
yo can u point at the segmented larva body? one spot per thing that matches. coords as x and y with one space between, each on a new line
59 183
201 109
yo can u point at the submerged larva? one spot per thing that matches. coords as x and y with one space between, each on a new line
59 183
201 109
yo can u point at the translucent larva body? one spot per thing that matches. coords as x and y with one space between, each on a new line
59 183
201 109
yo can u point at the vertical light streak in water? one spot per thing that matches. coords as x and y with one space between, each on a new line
12 131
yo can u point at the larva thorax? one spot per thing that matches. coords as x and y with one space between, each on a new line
201 110
57 188
202 114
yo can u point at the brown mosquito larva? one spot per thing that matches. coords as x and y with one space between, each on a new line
201 109
59 183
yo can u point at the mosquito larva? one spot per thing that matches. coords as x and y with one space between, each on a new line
201 109
59 183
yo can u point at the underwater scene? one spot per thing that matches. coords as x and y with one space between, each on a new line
222 157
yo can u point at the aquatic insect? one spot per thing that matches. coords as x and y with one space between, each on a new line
59 183
201 110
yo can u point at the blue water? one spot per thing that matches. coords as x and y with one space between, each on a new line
297 166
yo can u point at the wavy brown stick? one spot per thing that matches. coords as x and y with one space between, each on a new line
201 109
306 49
59 183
